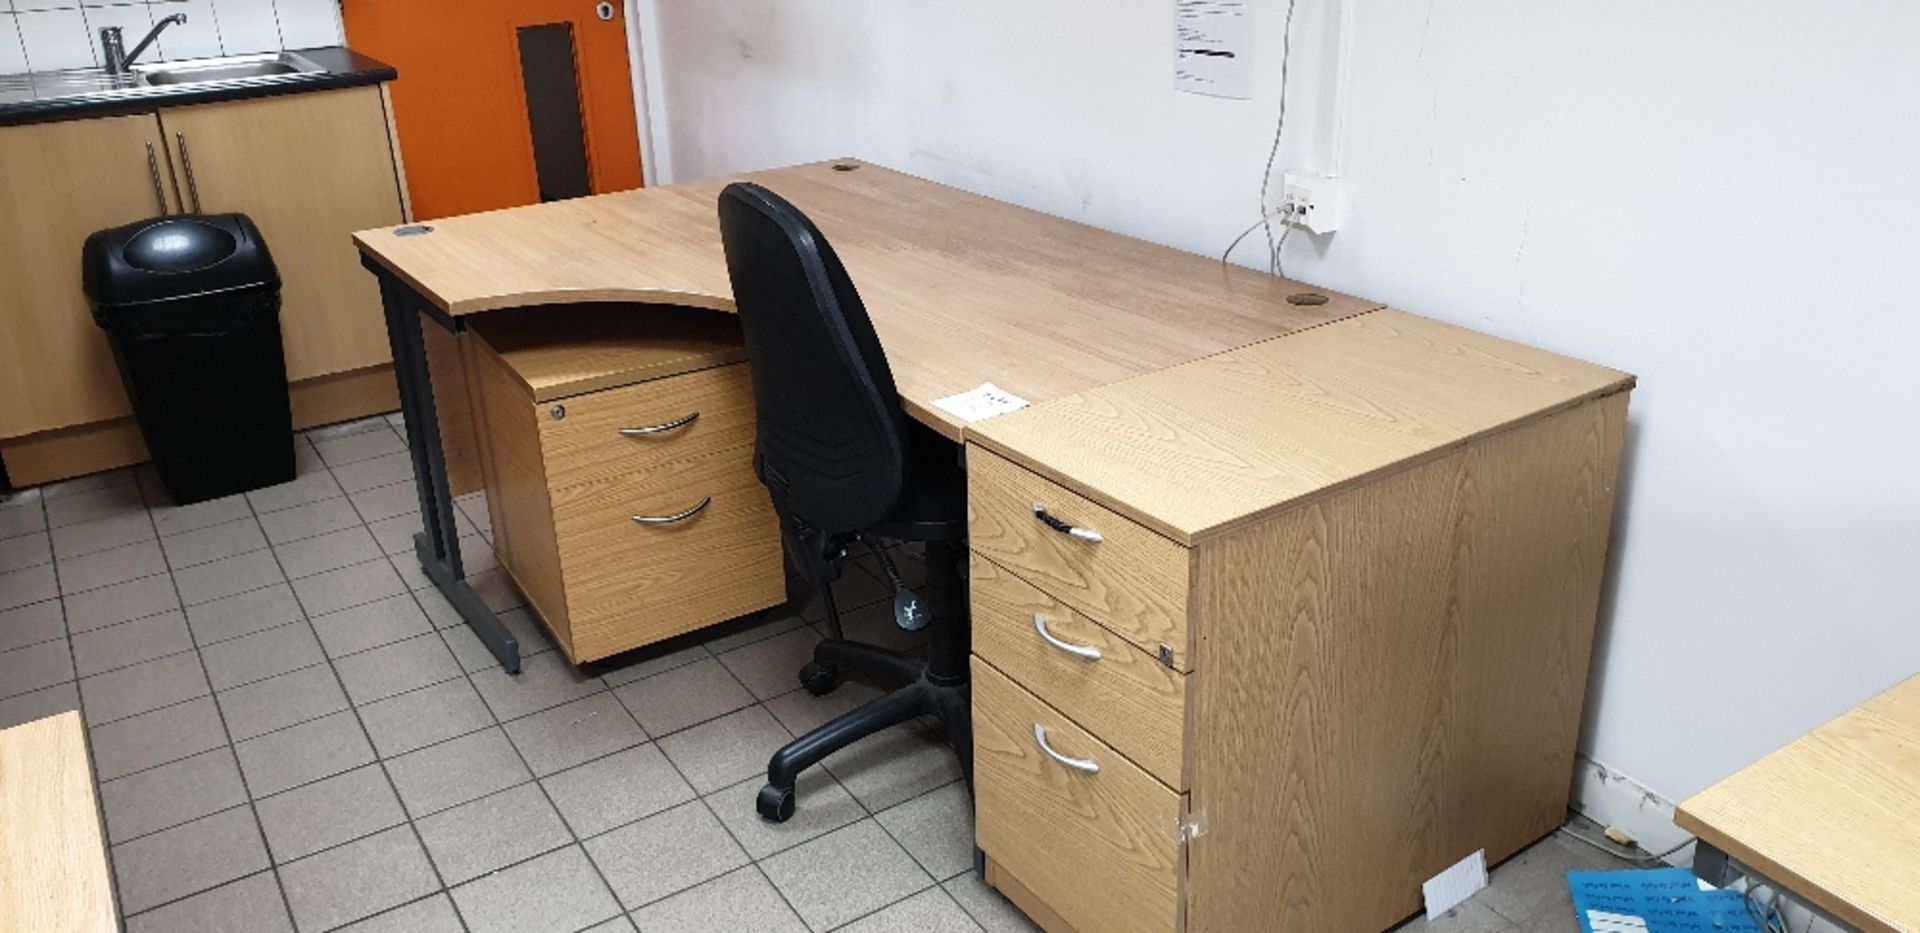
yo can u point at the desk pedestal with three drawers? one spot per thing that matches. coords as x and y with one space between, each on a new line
1263 641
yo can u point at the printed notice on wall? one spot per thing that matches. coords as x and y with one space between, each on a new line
1213 47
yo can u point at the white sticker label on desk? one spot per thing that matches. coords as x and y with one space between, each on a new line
980 403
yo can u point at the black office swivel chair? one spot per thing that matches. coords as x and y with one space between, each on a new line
841 462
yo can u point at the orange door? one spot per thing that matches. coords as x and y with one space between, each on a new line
505 102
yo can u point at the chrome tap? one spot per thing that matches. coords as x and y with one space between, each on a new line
112 45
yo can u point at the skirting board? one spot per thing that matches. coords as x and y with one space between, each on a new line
1610 798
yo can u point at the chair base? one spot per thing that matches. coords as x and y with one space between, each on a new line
924 695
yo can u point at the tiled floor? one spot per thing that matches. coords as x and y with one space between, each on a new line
293 731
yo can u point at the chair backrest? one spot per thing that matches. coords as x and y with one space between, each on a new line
832 445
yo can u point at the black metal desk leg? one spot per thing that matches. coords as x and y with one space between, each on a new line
438 545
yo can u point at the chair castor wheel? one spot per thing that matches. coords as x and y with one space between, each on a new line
775 803
819 679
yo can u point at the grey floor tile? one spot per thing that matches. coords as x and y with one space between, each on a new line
307 752
330 551
380 502
824 806
874 625
87 483
309 520
179 519
156 738
544 681
129 643
400 724
214 542
377 623
377 471
207 582
644 663
740 901
895 764
727 750
356 880
344 428
347 587
327 813
497 830
113 565
852 591
936 828
930 911
454 772
527 630
574 733
431 915
263 654
1475 917
278 702
1530 888
474 506
70 541
31 624
616 790
777 622
556 893
28 550
395 535
250 905
39 704
616 925
172 794
496 589
95 504
187 859
664 854
845 874
352 448
307 487
439 611
22 519
771 667
397 668
24 670
684 696
130 691
32 585
243 614
994 913
120 602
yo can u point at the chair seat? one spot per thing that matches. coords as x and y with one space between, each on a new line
933 506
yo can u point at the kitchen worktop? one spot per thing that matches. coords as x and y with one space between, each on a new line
90 92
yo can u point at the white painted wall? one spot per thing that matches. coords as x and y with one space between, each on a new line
1719 196
50 35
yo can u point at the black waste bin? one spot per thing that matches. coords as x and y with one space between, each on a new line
191 305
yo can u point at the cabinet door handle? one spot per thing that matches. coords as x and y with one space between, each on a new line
186 162
153 171
1084 534
1083 651
1078 764
660 428
677 517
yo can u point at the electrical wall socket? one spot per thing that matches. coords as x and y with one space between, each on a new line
1316 201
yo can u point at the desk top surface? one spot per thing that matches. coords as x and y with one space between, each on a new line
1835 815
53 860
962 289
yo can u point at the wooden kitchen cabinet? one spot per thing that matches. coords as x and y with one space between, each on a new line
310 169
61 182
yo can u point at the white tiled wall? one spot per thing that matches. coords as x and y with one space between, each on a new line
48 35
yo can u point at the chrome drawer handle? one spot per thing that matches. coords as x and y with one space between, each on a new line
1084 534
1085 651
1078 764
670 519
660 428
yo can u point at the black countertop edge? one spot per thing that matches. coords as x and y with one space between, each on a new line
344 68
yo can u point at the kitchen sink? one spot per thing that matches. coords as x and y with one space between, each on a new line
232 68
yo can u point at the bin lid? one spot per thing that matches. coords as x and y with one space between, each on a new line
171 258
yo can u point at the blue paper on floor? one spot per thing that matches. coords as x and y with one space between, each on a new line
1657 900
